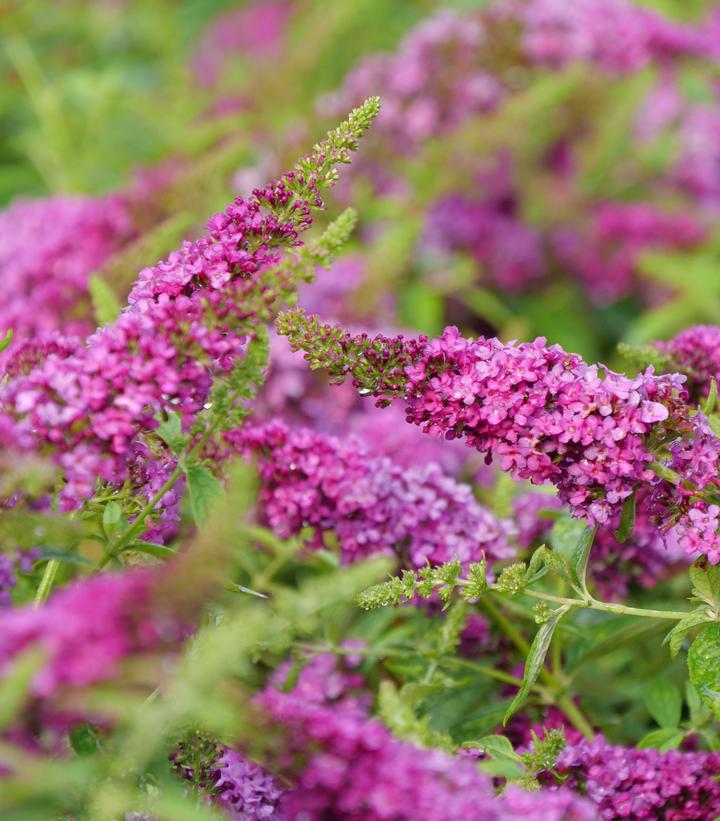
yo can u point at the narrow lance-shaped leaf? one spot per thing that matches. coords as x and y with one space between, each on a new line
627 519
535 660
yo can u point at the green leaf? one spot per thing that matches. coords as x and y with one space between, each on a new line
170 431
535 660
66 557
573 539
704 666
15 686
664 703
667 738
711 401
105 303
677 635
160 551
505 762
204 490
627 519
6 340
705 580
112 518
84 740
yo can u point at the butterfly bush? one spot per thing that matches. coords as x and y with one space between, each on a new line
694 352
371 504
177 332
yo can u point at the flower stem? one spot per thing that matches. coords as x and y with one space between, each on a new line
46 583
607 607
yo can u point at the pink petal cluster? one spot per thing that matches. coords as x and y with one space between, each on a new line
89 407
433 81
48 249
353 768
243 790
86 629
605 256
695 352
617 35
372 505
643 784
543 415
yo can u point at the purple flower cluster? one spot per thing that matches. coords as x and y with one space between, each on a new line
10 565
543 415
643 784
605 256
616 35
345 765
695 352
372 505
255 30
243 789
86 629
508 252
48 249
89 408
644 559
429 85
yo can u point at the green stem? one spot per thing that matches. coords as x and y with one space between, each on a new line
46 583
607 607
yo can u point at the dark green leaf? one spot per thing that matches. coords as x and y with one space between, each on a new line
66 558
627 519
204 490
535 660
704 666
664 703
667 738
84 740
705 580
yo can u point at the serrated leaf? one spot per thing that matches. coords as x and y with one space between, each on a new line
705 580
535 660
170 431
204 491
677 635
704 666
664 703
105 303
667 738
627 518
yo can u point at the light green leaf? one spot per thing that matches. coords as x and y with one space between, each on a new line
705 580
170 431
667 738
6 340
535 660
204 490
677 635
160 551
112 518
711 400
573 539
105 303
704 666
664 703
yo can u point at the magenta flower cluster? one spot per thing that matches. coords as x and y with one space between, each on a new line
243 790
543 415
372 505
48 249
643 784
695 352
605 256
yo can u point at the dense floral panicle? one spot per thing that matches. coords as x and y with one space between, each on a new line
371 504
617 35
644 559
86 629
606 255
343 764
48 249
696 353
508 252
253 31
643 784
243 789
189 318
543 414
